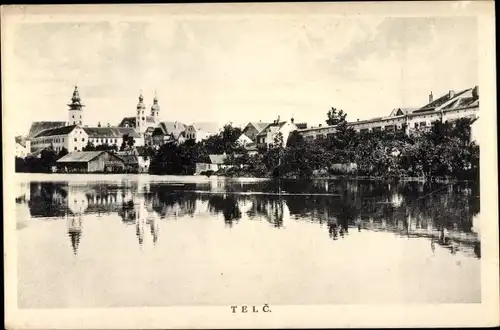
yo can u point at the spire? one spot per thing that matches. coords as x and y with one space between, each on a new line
140 105
155 108
76 102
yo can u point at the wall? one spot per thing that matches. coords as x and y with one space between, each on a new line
251 132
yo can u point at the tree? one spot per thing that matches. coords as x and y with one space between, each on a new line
334 117
48 158
63 152
89 147
127 142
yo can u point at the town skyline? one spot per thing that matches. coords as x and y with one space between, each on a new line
204 70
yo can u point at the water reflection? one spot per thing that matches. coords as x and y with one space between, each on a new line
444 214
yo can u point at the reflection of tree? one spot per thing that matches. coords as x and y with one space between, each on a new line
227 205
169 200
127 212
270 207
47 199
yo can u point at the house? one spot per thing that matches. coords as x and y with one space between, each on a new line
201 131
72 138
253 128
215 163
143 158
168 131
268 135
244 140
21 150
90 162
112 135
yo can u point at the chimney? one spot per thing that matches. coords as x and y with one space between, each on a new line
320 125
475 92
357 119
431 97
451 94
292 120
99 124
109 125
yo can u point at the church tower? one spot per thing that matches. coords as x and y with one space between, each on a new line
140 117
75 109
155 110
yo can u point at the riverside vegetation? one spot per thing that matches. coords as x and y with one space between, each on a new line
444 150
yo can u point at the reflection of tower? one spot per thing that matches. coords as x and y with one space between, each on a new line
77 200
152 221
75 232
140 219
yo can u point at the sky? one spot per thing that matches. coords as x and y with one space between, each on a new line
238 69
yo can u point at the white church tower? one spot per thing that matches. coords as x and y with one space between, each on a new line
155 110
75 109
140 118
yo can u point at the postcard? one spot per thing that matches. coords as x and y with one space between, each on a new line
267 165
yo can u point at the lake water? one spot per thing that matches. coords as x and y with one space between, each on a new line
126 241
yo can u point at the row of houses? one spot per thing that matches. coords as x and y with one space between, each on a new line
148 130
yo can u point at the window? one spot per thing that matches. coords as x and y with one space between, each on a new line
75 148
73 117
423 124
377 129
62 139
83 139
75 139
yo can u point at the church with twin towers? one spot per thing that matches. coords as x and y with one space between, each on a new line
145 127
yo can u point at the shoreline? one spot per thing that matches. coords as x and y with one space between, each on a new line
204 178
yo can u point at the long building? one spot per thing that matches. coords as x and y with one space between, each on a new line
448 107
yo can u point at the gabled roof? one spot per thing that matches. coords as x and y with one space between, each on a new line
440 101
39 126
171 126
274 127
110 132
57 131
35 154
21 140
402 111
131 121
80 156
217 159
259 126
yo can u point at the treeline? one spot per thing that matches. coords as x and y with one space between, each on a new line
443 150
43 164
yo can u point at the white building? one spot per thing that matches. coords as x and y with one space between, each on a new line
72 138
112 135
267 136
451 106
201 131
21 148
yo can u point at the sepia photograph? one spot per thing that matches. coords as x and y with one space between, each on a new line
250 165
